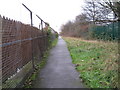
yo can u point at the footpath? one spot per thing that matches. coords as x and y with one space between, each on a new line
59 72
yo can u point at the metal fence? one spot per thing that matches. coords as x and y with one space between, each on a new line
108 31
20 44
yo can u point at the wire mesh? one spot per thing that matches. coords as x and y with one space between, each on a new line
19 45
109 31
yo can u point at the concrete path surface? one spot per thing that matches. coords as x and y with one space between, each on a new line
59 72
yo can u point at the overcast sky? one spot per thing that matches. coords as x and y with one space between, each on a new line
55 12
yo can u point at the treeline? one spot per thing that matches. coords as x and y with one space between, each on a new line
102 15
78 28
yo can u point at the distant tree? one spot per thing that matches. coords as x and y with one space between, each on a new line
82 18
68 29
91 10
81 25
95 13
78 28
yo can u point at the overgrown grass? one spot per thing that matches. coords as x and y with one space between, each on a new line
30 80
96 61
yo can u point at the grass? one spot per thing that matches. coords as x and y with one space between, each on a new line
54 42
30 80
97 61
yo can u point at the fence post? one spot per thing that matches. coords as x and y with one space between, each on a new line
0 52
44 41
32 40
42 34
31 34
113 31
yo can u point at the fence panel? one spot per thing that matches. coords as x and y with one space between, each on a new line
19 44
106 32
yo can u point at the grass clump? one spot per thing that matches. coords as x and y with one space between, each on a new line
96 61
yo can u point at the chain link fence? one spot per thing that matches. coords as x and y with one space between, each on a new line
108 31
21 48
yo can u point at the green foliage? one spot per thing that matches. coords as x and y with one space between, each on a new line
49 36
52 36
54 42
96 61
78 28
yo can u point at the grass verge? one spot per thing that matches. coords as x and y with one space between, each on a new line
30 80
96 61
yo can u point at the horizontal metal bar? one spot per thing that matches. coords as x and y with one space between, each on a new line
41 19
19 41
26 7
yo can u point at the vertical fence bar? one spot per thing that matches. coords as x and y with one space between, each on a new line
31 34
42 35
42 26
39 26
32 47
45 37
113 31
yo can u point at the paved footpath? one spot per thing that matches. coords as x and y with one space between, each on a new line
59 72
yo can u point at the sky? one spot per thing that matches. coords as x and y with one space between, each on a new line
55 12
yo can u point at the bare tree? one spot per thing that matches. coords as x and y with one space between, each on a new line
113 5
96 12
90 10
78 28
82 18
68 29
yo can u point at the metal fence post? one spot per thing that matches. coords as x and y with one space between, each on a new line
42 31
31 34
32 41
42 35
